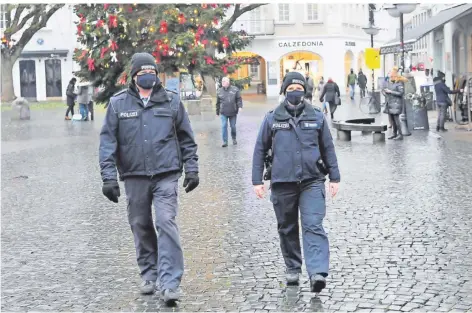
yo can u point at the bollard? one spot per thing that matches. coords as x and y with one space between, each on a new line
378 137
21 109
344 135
208 111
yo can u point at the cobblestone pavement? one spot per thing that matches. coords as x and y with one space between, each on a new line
400 229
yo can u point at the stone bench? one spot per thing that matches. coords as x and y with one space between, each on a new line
363 125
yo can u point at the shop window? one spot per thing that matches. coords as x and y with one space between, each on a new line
53 78
284 12
312 12
254 71
3 16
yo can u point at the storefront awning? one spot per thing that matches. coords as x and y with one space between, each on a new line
44 54
430 25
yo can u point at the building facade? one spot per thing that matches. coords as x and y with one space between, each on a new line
45 66
325 39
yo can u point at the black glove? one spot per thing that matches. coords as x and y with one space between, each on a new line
111 190
191 181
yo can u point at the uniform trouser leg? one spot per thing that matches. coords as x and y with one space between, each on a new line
139 196
224 127
285 201
232 124
442 114
170 258
315 241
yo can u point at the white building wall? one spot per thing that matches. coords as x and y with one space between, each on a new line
59 34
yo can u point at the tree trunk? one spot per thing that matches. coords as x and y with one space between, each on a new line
210 87
8 93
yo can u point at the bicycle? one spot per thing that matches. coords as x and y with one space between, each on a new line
368 104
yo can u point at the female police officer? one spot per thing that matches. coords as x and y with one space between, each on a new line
303 153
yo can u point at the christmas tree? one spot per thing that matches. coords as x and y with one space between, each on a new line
182 37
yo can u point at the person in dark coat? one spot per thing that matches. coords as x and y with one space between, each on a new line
442 99
228 105
299 137
70 98
330 94
394 97
148 141
362 82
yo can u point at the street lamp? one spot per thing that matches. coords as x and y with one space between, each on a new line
397 10
372 31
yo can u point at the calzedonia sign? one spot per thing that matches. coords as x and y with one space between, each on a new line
299 43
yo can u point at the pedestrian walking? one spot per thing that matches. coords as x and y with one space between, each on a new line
320 88
443 101
310 87
362 82
147 136
228 104
84 96
351 83
331 95
70 94
394 94
303 153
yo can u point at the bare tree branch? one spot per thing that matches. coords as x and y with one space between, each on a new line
8 12
17 27
238 12
19 9
36 25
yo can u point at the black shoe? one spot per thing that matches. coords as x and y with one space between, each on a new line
224 145
437 128
235 142
147 287
292 278
443 129
317 283
392 137
399 137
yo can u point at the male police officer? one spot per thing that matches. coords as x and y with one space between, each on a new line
302 154
147 136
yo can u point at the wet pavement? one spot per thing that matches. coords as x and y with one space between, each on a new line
400 228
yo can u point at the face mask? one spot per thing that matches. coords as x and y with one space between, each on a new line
146 81
295 97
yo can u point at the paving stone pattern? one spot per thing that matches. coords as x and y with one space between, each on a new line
400 228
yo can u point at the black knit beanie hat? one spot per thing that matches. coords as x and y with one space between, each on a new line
293 78
142 61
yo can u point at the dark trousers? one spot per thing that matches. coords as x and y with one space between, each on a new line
332 108
70 108
90 108
142 192
442 115
395 119
308 198
362 89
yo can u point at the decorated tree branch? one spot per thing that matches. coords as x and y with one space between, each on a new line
182 37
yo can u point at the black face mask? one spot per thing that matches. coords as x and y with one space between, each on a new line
295 97
146 81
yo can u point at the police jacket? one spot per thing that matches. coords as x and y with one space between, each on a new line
442 91
394 99
146 140
297 144
228 101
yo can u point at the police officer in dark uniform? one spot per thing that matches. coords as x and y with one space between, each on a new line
147 136
302 155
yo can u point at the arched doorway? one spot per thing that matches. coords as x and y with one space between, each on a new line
256 72
302 62
348 64
361 62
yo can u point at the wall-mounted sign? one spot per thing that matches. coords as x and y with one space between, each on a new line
299 43
396 48
40 41
350 43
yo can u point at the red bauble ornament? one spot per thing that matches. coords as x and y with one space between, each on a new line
204 5
105 6
209 60
163 27
181 18
102 52
113 45
91 64
225 41
112 21
100 23
79 29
